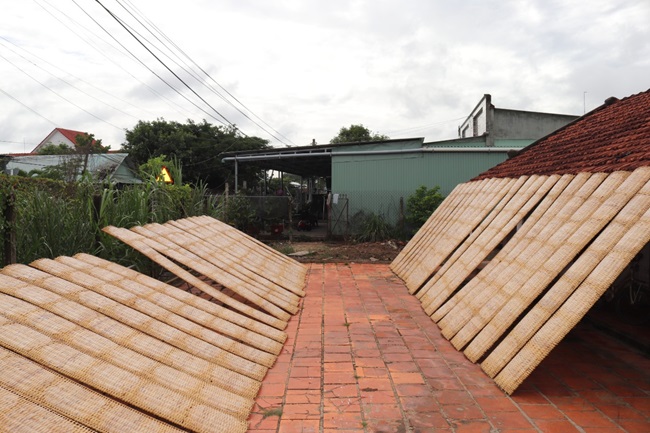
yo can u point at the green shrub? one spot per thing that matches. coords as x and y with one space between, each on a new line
421 204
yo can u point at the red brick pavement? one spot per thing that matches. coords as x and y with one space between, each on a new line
362 356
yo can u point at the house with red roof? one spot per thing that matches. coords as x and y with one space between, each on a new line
515 258
60 136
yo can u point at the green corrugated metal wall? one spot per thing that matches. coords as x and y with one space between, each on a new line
375 183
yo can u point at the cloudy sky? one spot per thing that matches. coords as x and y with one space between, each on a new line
295 70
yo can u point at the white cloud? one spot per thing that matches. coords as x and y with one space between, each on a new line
310 67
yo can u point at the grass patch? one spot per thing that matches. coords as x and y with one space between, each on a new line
276 411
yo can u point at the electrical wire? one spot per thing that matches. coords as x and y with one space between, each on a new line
77 24
119 21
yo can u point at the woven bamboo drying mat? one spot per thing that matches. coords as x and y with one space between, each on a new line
116 382
138 320
19 415
457 310
123 334
260 259
191 307
298 271
142 244
493 230
595 214
515 271
220 264
47 392
154 319
434 253
222 333
94 345
441 213
567 284
576 306
436 234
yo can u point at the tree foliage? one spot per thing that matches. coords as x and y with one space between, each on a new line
73 160
196 146
357 133
421 204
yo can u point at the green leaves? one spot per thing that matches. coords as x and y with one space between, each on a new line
196 146
357 133
421 204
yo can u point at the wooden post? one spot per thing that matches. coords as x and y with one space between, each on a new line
9 235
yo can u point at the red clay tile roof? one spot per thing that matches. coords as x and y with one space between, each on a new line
613 137
71 134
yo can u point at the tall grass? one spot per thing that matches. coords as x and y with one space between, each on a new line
67 220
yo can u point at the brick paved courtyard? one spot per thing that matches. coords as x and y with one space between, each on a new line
362 356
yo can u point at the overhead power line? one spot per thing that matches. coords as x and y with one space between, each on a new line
202 82
166 67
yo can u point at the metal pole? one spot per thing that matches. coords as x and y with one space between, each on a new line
236 175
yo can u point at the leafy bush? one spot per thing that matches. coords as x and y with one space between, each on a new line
421 204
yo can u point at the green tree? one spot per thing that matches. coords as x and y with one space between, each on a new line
421 204
196 146
55 149
357 133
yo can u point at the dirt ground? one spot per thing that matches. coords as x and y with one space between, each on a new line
329 252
